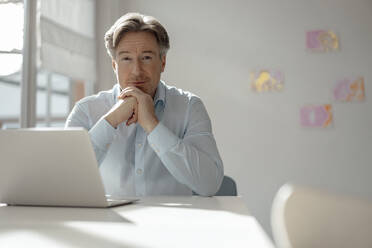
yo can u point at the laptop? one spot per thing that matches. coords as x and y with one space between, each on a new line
51 167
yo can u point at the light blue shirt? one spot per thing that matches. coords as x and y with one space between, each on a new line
179 155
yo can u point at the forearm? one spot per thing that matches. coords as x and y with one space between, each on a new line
121 111
101 135
194 168
193 161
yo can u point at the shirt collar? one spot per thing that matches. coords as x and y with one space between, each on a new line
160 94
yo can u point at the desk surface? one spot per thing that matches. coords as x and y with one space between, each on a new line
152 222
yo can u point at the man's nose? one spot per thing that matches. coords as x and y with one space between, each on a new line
137 67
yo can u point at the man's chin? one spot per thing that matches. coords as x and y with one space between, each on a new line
142 88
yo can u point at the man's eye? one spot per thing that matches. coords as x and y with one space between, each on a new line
126 58
147 58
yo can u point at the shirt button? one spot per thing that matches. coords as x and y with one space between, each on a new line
139 145
139 171
155 148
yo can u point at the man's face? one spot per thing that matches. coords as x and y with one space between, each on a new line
138 63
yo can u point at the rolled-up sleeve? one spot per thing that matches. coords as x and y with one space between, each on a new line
193 159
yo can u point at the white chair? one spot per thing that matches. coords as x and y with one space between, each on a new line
308 218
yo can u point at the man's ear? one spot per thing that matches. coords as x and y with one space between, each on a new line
163 62
113 65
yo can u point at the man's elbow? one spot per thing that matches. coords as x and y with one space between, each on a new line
210 188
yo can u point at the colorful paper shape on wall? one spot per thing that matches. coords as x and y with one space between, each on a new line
322 41
349 90
316 115
267 80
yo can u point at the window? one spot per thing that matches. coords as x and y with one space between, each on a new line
55 93
11 43
53 99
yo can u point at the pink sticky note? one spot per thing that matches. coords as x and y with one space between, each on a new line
349 90
316 115
321 40
312 40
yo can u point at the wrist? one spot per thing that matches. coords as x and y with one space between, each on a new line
109 118
151 125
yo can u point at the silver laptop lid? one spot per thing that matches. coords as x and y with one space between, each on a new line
49 167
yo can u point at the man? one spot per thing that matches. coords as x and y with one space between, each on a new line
149 138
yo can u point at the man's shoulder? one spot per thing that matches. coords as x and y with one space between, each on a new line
100 97
178 93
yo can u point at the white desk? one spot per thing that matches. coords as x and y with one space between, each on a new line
152 222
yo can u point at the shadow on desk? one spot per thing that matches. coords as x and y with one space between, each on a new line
162 221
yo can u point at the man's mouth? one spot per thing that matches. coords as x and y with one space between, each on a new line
137 83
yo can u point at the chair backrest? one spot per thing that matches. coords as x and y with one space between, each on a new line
304 217
228 187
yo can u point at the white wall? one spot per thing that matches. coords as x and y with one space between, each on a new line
214 46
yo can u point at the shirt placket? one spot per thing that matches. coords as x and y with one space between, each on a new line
139 169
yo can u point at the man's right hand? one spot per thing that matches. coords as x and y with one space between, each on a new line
123 110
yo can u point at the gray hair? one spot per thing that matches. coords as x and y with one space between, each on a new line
135 22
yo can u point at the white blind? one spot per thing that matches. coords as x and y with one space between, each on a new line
66 41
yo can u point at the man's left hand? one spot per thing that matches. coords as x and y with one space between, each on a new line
145 112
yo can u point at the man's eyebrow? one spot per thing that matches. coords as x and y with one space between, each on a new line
149 51
126 52
121 52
